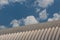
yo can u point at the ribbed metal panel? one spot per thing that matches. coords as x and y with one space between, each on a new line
41 34
31 27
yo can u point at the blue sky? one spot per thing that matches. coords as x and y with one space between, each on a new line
14 13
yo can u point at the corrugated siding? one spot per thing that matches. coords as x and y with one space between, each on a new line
41 34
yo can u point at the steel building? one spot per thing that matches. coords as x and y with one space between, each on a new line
41 31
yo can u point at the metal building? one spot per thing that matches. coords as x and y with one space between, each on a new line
42 31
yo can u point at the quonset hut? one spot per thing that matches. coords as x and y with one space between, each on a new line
41 31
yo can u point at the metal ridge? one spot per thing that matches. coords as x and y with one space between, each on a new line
31 27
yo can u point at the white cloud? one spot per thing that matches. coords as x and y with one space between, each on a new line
2 27
15 23
27 21
30 20
41 3
50 19
38 10
43 15
3 2
56 16
17 1
44 3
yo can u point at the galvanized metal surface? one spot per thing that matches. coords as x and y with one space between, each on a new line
42 31
41 34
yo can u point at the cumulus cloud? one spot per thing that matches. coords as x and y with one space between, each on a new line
43 15
3 2
2 27
15 23
41 3
44 3
30 20
38 10
27 21
56 16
